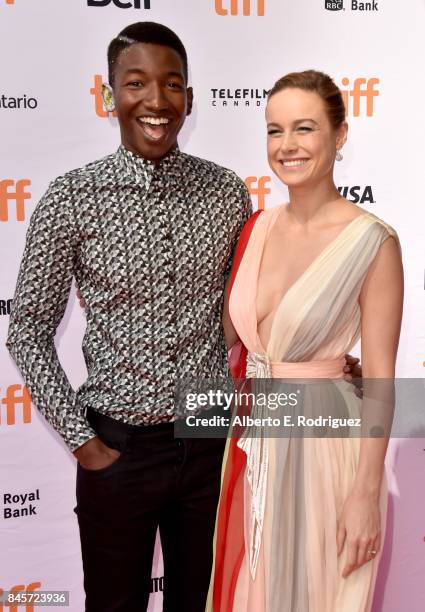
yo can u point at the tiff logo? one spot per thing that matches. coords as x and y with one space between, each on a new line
257 187
16 395
96 91
10 1
19 588
235 6
120 4
362 88
19 195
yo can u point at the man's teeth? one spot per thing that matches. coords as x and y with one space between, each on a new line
154 120
294 162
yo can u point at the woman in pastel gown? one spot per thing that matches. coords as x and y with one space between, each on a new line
301 520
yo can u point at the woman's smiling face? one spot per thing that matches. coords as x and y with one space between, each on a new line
301 142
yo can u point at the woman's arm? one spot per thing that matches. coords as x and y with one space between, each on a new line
381 303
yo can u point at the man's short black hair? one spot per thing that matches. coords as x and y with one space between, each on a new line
144 32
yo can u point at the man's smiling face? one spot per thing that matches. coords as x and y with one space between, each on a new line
151 98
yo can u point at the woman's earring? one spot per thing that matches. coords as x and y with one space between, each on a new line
108 98
338 155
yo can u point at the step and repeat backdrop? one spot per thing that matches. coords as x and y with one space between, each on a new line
53 63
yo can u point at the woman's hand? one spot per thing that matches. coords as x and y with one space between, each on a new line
360 529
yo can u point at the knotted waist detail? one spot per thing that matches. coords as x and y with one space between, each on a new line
256 446
260 366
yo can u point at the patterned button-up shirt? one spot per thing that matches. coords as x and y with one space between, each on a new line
150 247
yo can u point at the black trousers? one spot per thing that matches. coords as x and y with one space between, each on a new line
157 481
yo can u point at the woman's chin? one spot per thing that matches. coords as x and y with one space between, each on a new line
294 181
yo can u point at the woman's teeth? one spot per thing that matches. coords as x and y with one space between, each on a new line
294 162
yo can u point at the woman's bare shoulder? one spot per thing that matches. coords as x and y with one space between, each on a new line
349 211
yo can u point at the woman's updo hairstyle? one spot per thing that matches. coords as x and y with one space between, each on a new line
320 83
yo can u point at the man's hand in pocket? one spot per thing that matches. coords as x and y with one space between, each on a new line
95 455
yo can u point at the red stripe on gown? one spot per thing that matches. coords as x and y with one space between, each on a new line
230 542
230 546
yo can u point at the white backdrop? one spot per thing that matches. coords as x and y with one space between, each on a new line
51 52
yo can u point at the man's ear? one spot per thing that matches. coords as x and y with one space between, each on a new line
189 100
108 97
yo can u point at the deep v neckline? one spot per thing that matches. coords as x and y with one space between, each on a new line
303 274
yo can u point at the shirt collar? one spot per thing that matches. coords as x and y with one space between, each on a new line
141 169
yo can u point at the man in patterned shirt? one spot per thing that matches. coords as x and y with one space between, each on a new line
148 233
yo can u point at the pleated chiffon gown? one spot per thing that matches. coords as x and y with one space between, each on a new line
281 498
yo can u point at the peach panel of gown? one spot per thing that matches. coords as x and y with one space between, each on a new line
296 568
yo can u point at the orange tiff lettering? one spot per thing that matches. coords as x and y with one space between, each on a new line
257 187
17 395
235 5
362 89
96 91
20 588
19 195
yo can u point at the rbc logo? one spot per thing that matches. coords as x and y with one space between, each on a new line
234 7
336 5
120 4
19 195
257 187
